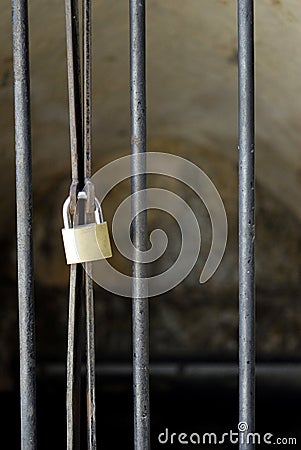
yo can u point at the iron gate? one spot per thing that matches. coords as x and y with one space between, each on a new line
139 305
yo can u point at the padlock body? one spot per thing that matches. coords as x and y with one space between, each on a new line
86 243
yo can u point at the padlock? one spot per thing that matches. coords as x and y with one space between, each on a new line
88 242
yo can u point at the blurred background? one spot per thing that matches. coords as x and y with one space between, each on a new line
192 112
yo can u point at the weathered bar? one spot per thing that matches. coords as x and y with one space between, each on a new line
75 317
74 357
74 97
246 216
24 224
90 350
140 307
89 293
87 115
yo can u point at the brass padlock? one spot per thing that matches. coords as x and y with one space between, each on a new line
88 242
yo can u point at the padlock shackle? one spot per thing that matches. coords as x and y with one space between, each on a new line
98 212
67 216
66 213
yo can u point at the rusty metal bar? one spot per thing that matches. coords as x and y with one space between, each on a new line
87 86
89 293
24 224
75 103
90 350
140 307
74 357
246 217
75 319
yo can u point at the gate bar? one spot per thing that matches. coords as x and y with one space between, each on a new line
75 313
140 306
24 224
89 293
74 358
246 216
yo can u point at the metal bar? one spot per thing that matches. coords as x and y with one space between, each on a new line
140 307
90 319
75 345
281 374
87 85
24 224
246 216
90 348
75 320
74 357
74 92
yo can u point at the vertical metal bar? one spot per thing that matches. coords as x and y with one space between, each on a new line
246 216
74 354
74 92
74 357
90 307
75 320
24 224
87 85
90 339
140 313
